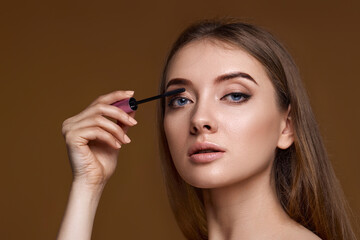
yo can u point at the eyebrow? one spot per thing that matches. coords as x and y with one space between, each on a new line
219 79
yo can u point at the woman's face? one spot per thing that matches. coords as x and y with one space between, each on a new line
226 126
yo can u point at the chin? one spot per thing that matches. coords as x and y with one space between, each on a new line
211 177
206 178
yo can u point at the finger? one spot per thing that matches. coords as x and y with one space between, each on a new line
106 99
107 111
124 127
113 97
104 123
82 136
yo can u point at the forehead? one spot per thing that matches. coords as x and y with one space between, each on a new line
207 59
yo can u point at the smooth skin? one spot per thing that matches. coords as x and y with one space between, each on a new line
93 142
238 113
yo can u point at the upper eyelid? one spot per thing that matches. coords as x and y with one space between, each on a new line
181 95
236 92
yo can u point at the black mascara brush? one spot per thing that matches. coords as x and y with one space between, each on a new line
130 104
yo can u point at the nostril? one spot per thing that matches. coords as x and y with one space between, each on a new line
199 126
207 127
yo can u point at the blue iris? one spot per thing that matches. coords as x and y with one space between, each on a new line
236 96
181 101
178 102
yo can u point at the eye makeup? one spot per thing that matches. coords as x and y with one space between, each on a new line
234 97
130 104
178 101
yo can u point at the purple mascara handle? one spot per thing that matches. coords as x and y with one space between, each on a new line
130 104
127 105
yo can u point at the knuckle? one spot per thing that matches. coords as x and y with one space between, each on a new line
98 131
65 126
68 138
100 98
98 119
65 122
101 108
64 131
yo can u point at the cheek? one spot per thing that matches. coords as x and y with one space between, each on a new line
252 140
176 131
257 124
256 130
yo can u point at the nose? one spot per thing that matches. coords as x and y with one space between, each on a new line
203 121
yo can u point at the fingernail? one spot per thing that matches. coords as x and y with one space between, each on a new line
118 145
133 121
129 93
127 139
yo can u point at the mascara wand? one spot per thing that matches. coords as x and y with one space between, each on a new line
130 104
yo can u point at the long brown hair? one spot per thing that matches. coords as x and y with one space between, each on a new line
306 185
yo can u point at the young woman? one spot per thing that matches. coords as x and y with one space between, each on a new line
242 153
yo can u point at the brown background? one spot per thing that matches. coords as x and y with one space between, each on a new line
56 57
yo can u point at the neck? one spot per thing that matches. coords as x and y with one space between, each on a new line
240 210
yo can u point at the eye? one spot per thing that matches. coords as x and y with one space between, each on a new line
178 101
236 97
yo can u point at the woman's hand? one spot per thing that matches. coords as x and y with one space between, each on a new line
93 141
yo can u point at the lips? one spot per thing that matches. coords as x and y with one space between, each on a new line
205 152
204 147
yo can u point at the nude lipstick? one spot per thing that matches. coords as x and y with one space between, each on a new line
130 104
205 152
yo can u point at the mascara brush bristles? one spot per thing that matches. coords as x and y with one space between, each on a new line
166 94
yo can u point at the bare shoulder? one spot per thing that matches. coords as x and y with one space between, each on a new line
295 231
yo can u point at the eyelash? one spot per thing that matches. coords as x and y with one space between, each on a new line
243 98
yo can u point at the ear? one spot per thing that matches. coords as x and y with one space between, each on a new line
287 131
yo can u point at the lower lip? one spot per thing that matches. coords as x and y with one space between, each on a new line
206 157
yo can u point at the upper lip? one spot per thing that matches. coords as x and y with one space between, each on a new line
198 146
